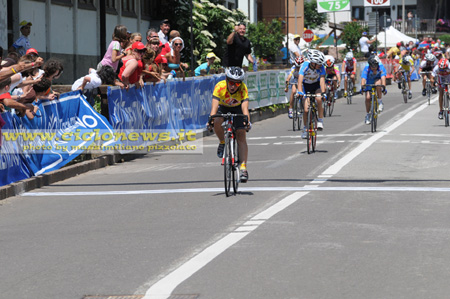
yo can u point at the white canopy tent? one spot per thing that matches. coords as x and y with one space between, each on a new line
392 37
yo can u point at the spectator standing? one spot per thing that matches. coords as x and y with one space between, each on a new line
364 43
114 52
410 22
164 31
294 49
152 33
131 70
205 67
22 44
284 51
238 46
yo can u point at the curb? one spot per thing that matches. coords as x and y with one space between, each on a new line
71 171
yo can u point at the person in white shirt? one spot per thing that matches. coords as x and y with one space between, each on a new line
22 44
364 44
294 49
163 33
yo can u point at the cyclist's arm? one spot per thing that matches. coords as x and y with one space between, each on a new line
383 80
214 106
338 76
244 107
300 82
363 82
322 84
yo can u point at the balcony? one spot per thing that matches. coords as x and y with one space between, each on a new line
422 26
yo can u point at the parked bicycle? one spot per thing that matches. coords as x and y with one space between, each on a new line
230 159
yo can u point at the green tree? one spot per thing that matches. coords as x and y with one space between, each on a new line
351 35
313 19
266 38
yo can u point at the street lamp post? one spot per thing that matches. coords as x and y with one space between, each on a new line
295 14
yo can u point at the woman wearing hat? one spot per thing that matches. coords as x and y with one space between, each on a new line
130 72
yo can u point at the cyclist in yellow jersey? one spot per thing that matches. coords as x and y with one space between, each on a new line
406 63
231 95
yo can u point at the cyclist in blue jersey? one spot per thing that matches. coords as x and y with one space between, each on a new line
373 73
311 79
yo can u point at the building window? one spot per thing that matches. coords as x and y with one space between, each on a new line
110 7
128 8
358 13
86 4
63 2
154 9
408 8
146 12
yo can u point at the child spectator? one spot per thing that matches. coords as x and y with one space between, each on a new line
7 102
210 58
105 76
114 52
151 71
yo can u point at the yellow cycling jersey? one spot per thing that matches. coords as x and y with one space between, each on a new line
405 66
227 99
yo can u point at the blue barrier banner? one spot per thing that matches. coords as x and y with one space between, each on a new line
61 131
13 166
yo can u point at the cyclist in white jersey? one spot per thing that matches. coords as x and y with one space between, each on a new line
292 80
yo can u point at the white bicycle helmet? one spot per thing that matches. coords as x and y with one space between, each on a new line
349 56
329 60
315 56
235 73
406 60
430 57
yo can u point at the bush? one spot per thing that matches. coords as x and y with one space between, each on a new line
351 35
445 38
266 38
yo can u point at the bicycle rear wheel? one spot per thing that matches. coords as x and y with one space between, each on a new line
428 91
227 166
311 131
325 103
299 113
236 175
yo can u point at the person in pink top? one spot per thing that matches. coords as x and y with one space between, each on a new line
115 49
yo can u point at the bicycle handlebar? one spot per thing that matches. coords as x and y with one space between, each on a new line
228 115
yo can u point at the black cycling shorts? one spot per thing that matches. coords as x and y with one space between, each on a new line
238 122
311 88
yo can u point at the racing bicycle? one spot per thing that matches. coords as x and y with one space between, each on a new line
427 86
373 105
311 122
403 84
445 104
230 159
349 88
328 104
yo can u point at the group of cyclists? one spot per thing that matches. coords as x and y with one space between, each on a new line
308 76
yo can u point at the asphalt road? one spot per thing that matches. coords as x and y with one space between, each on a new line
366 216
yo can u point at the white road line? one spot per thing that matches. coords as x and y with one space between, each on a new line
164 287
243 189
335 168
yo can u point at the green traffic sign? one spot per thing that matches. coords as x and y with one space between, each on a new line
333 5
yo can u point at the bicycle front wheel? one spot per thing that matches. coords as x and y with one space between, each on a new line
235 167
446 111
429 92
227 166
311 131
295 115
374 114
349 92
331 105
404 91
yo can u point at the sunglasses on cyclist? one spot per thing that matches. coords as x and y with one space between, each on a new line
234 83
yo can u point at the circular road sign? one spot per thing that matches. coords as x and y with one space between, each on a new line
308 36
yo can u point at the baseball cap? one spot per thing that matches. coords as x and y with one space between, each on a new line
211 55
25 23
165 21
364 33
296 36
138 46
32 50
